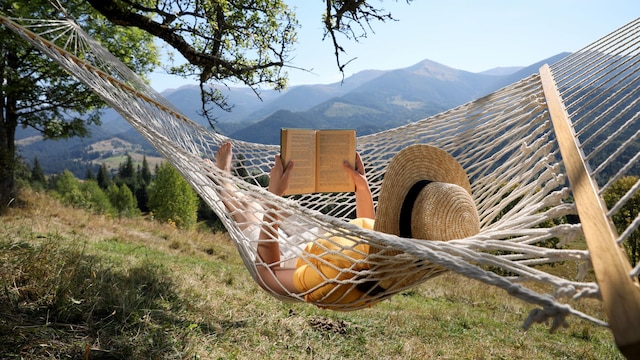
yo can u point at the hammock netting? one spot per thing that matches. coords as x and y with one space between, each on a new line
506 141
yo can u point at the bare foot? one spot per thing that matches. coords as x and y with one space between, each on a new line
223 157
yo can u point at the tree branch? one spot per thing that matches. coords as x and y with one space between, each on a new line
235 40
344 16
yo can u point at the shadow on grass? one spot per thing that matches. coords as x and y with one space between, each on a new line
58 302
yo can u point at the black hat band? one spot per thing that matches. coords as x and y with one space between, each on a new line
404 222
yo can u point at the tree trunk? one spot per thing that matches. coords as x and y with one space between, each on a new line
8 125
7 174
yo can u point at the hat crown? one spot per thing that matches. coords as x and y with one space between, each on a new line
444 211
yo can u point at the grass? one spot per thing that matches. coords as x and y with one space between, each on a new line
82 286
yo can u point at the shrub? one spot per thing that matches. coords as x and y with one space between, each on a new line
627 213
123 200
171 198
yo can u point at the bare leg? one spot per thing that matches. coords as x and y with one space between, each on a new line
244 212
224 156
248 214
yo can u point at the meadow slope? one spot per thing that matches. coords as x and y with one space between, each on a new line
83 286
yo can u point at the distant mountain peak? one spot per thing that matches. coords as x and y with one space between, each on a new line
429 68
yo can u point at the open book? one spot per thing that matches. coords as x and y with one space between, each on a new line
318 157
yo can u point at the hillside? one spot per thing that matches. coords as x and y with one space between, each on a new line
79 154
84 286
369 101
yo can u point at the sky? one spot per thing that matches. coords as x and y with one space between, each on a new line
470 35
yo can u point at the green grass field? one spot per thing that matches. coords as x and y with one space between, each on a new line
82 286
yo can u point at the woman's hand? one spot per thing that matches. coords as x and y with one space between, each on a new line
357 173
364 200
279 176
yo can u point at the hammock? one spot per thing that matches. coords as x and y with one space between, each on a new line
537 152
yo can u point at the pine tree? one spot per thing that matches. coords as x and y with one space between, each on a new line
127 174
144 178
145 172
90 175
103 177
37 175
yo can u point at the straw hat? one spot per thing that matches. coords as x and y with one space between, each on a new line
425 195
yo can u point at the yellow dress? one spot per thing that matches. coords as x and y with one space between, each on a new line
336 259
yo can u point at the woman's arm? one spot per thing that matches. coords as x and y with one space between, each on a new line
364 199
274 277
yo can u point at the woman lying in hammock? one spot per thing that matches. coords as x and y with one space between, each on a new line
425 195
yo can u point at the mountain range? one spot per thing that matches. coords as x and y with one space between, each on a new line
369 101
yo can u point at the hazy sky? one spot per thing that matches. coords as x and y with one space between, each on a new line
471 35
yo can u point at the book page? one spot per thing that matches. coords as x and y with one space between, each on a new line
333 148
298 145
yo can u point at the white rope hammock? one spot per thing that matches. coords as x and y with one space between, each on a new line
508 142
